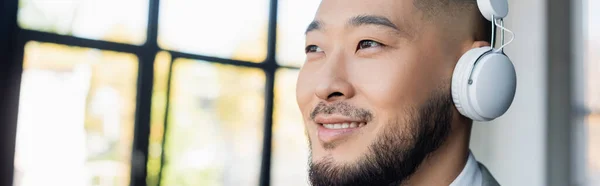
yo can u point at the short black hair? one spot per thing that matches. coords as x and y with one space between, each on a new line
437 8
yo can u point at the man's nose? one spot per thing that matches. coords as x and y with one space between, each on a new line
334 85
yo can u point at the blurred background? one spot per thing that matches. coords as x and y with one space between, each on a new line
195 92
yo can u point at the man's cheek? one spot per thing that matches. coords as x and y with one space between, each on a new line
304 95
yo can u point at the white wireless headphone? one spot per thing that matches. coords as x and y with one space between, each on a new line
484 79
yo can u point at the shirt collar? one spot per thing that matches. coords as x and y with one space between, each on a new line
470 175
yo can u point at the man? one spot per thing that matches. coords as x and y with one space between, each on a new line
375 92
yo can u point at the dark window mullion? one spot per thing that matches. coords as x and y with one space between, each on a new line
11 67
141 135
29 35
147 54
271 68
176 54
272 33
265 170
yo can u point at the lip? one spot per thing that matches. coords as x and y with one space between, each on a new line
328 135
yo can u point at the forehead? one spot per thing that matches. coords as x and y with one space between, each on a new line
334 12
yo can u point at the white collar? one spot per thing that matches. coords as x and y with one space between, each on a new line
470 175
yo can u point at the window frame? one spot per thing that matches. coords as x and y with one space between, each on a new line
566 133
146 54
11 58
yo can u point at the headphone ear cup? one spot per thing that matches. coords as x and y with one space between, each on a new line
483 84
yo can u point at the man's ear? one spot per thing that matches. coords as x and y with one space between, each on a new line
479 44
476 44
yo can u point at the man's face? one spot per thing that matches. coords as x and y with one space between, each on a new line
377 76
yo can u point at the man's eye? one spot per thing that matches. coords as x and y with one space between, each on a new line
312 48
367 44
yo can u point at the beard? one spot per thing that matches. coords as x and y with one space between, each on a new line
397 153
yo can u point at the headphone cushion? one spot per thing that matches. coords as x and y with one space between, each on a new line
460 79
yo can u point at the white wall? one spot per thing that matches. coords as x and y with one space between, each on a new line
513 146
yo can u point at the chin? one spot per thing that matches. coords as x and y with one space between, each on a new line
344 152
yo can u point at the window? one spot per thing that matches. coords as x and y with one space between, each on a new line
110 20
290 146
235 29
592 66
76 116
215 125
181 92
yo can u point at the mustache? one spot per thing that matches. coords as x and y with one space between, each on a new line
343 109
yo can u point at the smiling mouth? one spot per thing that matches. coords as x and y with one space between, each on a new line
334 128
348 125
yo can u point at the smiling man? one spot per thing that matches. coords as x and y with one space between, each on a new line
375 92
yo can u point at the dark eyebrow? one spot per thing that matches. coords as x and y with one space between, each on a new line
362 20
314 25
372 20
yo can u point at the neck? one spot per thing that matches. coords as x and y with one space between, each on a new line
445 164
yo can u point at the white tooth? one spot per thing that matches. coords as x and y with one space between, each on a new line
329 126
334 126
353 125
345 125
